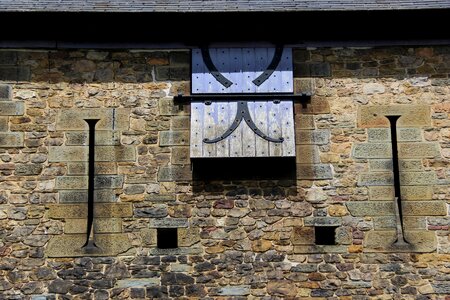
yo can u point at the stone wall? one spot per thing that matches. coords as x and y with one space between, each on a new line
236 238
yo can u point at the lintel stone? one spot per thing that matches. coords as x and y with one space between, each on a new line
71 245
382 241
168 223
411 115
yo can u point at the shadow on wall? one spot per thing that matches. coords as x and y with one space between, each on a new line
258 176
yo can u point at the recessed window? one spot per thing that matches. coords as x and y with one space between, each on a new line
167 238
325 235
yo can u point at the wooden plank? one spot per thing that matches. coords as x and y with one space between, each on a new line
260 66
224 120
236 137
274 128
209 129
234 69
213 85
261 121
198 72
248 136
285 67
287 128
248 70
196 129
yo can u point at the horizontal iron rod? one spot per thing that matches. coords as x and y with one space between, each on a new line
203 97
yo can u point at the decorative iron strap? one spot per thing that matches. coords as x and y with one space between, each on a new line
213 70
271 68
243 113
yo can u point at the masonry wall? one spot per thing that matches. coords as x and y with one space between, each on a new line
237 239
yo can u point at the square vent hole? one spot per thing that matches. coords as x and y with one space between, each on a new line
325 235
167 238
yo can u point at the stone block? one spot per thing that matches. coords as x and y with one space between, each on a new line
307 154
381 193
370 208
101 168
383 241
424 208
70 245
323 221
11 139
71 182
8 57
417 178
149 236
379 134
101 225
12 108
180 123
234 290
174 173
302 236
28 169
372 150
156 211
3 124
375 179
416 192
376 165
180 156
168 223
79 211
314 172
115 153
102 137
160 198
15 73
312 137
178 73
312 69
408 222
411 115
188 237
81 196
304 86
409 134
67 153
5 92
303 121
176 251
314 249
410 164
316 105
136 283
173 138
108 182
110 118
418 150
343 235
441 288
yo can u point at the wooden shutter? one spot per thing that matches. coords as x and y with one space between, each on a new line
212 119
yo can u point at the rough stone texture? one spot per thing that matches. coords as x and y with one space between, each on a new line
238 237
